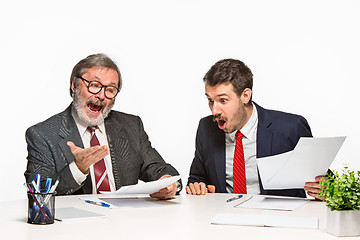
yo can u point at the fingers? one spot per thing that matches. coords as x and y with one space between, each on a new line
73 147
194 188
199 188
84 158
211 188
315 195
165 193
313 188
320 178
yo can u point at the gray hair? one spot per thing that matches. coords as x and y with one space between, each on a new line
94 60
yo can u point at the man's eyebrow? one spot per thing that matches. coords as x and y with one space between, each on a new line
112 84
219 95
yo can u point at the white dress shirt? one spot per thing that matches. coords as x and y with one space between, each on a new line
249 144
86 137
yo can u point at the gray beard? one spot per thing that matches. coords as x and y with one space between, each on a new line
79 111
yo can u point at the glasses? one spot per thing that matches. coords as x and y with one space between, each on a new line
95 87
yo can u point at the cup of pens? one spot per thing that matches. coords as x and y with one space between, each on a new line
41 208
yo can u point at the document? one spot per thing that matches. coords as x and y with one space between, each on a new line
311 157
146 187
273 203
265 220
71 214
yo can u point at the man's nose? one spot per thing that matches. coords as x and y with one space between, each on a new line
101 95
216 109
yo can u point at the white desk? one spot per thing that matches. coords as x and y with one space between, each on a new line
185 217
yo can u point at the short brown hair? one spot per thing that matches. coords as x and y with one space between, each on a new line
230 70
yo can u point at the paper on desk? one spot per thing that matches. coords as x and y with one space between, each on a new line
146 187
273 203
311 157
265 220
71 213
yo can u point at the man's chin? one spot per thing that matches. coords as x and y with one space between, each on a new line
91 121
88 118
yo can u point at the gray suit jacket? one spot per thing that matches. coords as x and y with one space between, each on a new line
131 152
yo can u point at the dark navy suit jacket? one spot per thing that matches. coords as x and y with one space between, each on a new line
277 132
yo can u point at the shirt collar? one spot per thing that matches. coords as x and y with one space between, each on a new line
248 129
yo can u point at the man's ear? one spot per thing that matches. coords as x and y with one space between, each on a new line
246 95
73 86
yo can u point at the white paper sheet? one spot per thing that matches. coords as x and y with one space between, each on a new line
311 157
265 220
146 187
273 203
71 214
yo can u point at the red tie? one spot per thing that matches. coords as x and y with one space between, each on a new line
239 176
101 177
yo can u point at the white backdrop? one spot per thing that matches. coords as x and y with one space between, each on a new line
304 56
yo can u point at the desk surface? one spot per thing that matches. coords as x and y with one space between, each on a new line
185 217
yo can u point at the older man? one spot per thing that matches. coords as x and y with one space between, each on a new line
89 147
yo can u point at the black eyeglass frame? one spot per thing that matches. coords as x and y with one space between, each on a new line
102 86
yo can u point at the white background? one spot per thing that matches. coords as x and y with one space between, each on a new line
304 56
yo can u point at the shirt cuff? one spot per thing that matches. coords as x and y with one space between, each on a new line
77 174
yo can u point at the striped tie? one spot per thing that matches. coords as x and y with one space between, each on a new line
239 176
101 177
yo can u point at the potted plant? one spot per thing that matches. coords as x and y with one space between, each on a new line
342 198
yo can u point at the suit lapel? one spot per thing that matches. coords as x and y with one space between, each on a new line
69 132
264 136
119 147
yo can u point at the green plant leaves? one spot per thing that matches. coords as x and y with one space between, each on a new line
341 192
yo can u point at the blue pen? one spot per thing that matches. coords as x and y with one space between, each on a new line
38 177
98 203
234 198
48 185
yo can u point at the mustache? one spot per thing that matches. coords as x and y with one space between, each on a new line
218 117
96 102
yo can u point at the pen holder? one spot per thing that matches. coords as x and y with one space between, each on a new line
41 208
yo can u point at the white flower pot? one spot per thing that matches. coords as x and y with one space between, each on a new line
343 223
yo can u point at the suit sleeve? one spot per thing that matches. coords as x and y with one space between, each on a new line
44 160
153 165
198 169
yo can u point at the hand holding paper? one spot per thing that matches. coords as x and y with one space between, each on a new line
311 157
147 187
166 192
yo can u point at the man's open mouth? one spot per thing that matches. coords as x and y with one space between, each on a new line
221 122
94 107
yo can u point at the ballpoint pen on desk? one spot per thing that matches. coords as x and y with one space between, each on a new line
98 203
234 198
